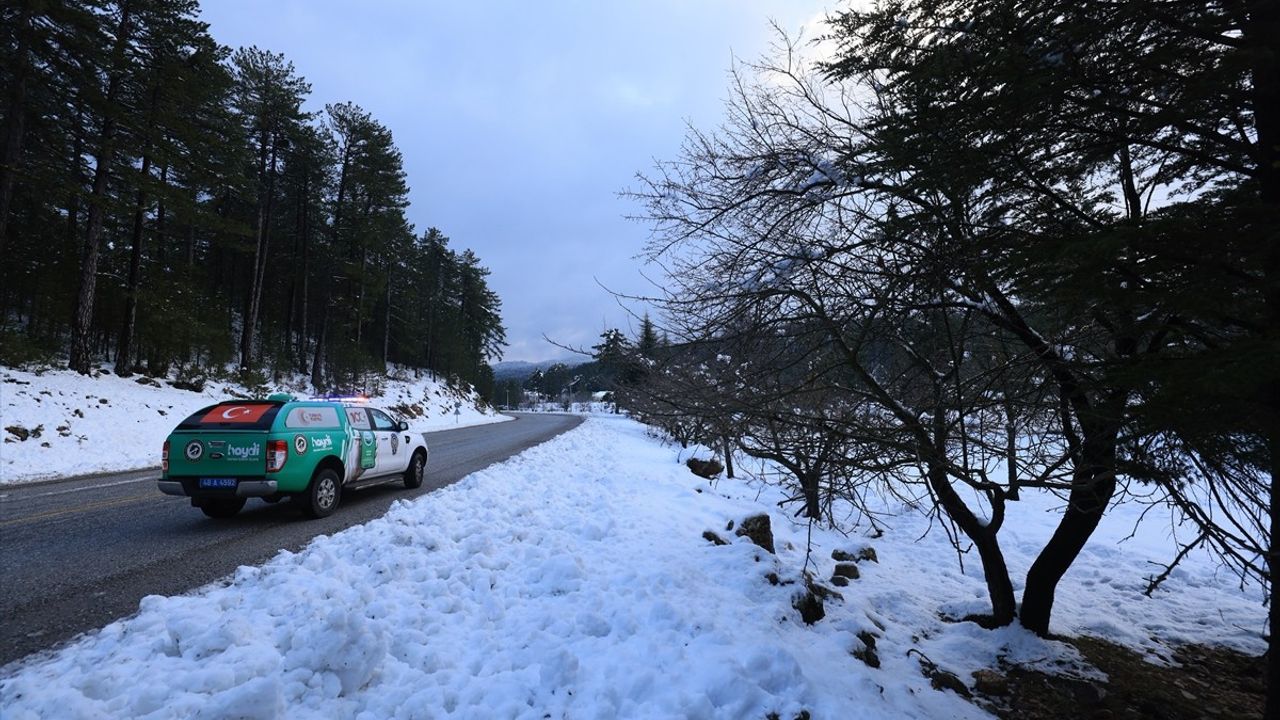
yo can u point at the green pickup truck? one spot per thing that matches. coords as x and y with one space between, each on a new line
308 450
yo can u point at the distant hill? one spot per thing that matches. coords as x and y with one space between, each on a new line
520 370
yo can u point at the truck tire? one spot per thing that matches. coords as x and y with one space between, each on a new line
222 509
323 494
417 470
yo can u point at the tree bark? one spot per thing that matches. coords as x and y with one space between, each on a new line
810 485
306 270
81 341
1093 484
253 302
1260 33
125 346
123 365
985 539
162 217
290 311
317 362
1011 459
386 331
73 194
15 121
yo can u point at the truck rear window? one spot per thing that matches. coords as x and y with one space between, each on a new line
233 416
312 417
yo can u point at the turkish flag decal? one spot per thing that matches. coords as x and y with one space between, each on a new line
247 413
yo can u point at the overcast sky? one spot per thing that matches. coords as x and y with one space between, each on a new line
521 121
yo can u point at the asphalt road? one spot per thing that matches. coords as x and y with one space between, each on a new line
77 554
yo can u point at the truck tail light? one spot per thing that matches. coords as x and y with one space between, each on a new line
277 454
164 457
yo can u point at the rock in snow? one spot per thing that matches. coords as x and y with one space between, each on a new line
758 530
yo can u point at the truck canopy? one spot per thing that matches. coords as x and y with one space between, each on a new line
234 415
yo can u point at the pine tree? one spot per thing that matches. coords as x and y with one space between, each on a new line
647 342
268 97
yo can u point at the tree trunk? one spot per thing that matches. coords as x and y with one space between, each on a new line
125 346
73 196
162 217
811 487
190 257
81 349
291 307
1260 33
317 363
1093 484
728 453
1011 459
306 272
263 231
999 584
386 331
123 355
985 539
15 121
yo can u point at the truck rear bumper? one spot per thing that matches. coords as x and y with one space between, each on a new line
256 488
244 488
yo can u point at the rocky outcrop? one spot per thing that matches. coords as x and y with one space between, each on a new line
758 530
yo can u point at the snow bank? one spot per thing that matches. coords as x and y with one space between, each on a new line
108 423
573 581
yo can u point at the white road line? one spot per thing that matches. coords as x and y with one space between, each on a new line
86 487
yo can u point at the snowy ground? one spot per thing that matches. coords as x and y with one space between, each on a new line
573 581
79 424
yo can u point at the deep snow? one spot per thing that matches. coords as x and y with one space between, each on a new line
573 581
108 423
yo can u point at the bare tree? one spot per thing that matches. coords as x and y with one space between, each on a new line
942 289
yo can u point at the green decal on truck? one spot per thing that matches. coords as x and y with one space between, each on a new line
368 449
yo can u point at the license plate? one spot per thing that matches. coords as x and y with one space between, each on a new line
217 482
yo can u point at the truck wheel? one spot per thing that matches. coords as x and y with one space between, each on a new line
417 470
221 508
322 495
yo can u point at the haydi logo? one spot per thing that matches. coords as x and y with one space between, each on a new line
322 443
252 452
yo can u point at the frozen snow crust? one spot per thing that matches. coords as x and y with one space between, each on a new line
109 423
573 582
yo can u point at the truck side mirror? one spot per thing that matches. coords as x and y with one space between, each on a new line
402 425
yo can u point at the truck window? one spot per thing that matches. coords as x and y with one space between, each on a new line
244 415
358 417
319 417
382 421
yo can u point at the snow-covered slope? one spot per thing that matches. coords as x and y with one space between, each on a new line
574 581
76 424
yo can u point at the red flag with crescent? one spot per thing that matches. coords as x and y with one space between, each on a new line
243 413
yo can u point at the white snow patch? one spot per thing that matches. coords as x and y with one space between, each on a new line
109 423
573 581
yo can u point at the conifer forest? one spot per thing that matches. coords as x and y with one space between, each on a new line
168 204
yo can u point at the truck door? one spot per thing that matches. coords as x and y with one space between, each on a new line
362 455
392 456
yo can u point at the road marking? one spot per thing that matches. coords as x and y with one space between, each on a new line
78 489
102 504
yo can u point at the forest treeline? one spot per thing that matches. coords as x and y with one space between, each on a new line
168 203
